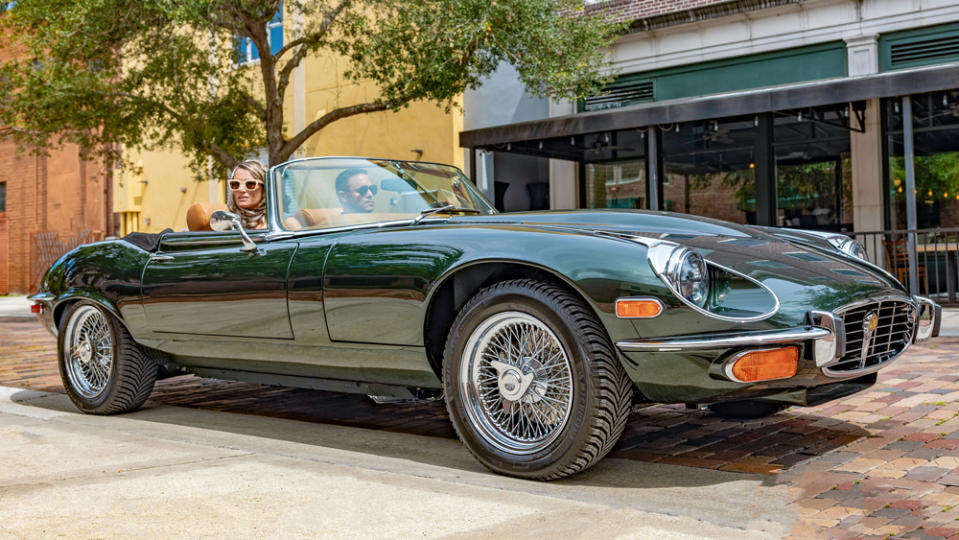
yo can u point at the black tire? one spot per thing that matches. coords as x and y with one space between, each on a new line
96 382
572 391
747 409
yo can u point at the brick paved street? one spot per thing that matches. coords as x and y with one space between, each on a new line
880 463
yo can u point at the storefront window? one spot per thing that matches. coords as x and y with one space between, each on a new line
615 170
813 169
709 169
936 145
616 185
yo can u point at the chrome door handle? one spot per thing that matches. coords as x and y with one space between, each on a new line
161 258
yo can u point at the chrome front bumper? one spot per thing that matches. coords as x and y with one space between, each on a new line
825 332
725 341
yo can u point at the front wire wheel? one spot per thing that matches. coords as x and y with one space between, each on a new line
103 370
533 385
517 384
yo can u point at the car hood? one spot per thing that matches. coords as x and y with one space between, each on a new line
803 275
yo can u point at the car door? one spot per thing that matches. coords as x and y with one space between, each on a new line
203 284
376 284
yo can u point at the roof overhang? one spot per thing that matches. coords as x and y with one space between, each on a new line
780 98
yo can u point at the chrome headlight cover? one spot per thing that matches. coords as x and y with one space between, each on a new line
689 276
665 257
849 246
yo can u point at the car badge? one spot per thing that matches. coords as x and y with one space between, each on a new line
869 324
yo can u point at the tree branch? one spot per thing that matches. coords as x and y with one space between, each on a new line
218 153
303 44
260 111
315 36
337 114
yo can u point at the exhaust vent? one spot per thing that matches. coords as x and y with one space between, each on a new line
613 98
925 51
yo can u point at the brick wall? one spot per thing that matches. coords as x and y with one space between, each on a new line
61 193
4 255
639 9
653 14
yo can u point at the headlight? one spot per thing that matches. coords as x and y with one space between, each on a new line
688 274
849 246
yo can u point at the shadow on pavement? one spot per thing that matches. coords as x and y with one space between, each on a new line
662 434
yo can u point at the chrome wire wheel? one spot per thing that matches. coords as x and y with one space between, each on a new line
516 382
88 351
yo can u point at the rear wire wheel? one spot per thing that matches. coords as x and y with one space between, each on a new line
533 385
103 370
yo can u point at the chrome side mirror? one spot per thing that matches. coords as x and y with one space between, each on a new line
223 221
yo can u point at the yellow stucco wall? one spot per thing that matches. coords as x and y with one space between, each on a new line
423 126
158 191
157 194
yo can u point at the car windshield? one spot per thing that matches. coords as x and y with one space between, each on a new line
332 192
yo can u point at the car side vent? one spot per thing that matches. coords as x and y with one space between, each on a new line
612 98
929 49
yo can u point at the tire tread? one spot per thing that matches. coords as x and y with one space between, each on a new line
614 390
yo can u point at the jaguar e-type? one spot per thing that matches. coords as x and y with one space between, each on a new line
540 330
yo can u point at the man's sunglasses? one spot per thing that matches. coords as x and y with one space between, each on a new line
363 189
250 185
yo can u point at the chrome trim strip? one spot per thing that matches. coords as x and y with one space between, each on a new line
822 354
728 366
865 371
662 307
44 297
724 341
934 323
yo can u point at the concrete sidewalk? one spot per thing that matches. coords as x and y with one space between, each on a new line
15 308
173 472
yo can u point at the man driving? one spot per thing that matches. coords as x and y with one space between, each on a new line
355 190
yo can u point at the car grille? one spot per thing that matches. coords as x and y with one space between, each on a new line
893 333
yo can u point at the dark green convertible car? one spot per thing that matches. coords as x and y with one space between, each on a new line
540 330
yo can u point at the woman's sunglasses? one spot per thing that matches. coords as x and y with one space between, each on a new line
250 185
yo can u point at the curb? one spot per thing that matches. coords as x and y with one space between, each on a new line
18 318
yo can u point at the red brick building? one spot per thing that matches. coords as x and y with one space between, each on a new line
49 204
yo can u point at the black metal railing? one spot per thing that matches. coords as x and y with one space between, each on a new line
937 259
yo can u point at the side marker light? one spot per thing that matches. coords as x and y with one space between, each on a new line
638 308
764 365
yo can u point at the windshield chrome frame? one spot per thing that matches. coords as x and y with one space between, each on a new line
276 229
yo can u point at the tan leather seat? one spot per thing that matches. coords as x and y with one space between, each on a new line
198 216
334 217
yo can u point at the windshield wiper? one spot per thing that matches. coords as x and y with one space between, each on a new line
445 208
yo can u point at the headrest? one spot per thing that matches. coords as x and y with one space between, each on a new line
198 216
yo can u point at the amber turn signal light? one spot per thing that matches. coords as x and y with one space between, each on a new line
638 308
765 365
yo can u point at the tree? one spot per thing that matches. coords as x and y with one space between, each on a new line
165 73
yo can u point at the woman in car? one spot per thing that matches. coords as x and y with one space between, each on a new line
245 196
